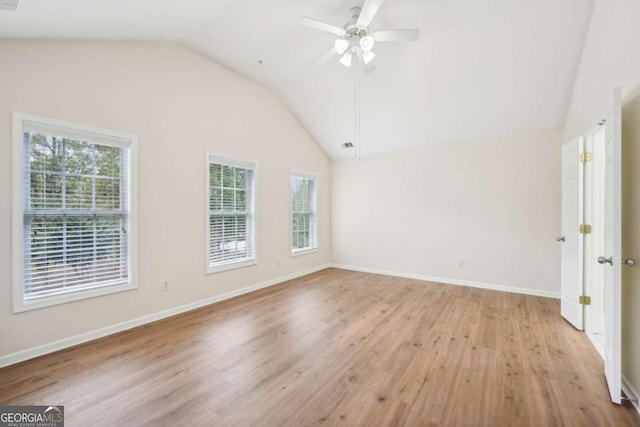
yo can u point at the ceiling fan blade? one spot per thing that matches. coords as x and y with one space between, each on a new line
325 57
367 67
396 35
368 12
314 23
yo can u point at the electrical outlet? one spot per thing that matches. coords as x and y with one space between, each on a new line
165 285
460 263
278 262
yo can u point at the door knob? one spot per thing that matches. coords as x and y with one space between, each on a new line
603 260
560 239
629 262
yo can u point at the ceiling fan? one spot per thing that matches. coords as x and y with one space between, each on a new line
356 39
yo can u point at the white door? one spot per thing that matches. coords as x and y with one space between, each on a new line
594 242
612 257
571 239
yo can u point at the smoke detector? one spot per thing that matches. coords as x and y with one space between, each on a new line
9 5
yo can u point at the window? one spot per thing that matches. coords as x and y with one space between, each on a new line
73 212
304 236
230 213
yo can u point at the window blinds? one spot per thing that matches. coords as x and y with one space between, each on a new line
303 212
76 210
231 227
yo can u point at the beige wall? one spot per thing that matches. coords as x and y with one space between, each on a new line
610 59
493 204
631 242
179 104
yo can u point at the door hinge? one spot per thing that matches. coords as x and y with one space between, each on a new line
585 157
584 300
585 229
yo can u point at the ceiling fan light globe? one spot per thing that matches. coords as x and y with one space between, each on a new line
366 43
346 59
368 56
341 46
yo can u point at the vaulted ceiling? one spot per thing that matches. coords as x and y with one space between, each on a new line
480 69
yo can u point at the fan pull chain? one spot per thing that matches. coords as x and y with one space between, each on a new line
357 112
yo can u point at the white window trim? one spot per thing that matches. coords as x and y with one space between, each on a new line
19 303
229 160
309 175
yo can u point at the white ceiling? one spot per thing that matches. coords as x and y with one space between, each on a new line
480 69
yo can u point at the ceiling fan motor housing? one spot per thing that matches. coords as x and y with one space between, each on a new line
352 32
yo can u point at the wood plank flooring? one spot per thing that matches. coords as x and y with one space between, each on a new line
335 348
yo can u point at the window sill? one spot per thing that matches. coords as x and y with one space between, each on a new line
71 296
300 252
231 266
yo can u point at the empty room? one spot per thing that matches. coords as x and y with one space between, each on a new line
355 213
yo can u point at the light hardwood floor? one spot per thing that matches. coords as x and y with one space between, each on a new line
335 348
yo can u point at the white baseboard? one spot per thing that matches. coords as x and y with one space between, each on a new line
448 281
631 393
40 350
